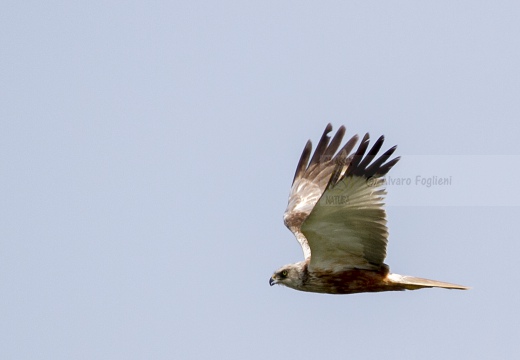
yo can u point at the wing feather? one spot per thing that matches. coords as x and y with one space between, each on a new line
347 226
310 181
335 207
322 146
304 159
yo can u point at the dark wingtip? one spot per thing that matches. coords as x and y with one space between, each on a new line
304 159
334 143
328 128
364 163
322 145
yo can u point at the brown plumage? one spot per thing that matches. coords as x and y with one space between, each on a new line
336 213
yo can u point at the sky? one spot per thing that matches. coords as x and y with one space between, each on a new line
146 156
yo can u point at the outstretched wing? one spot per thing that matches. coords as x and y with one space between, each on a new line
311 180
347 225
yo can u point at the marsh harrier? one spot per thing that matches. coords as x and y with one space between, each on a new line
336 213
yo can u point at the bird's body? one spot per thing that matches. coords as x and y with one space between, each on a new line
336 213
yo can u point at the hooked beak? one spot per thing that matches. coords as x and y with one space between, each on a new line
272 281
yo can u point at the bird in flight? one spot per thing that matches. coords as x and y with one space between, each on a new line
336 213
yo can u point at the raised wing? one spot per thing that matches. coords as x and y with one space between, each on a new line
347 226
311 180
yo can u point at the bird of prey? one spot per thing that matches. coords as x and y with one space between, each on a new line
336 213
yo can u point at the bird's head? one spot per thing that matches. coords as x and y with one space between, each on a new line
288 275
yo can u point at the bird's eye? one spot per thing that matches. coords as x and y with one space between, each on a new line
284 273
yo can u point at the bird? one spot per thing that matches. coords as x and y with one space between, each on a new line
336 212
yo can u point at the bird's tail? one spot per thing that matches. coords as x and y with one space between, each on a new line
414 283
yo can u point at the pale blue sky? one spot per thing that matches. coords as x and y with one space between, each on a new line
146 155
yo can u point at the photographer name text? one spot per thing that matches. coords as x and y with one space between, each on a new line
418 180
